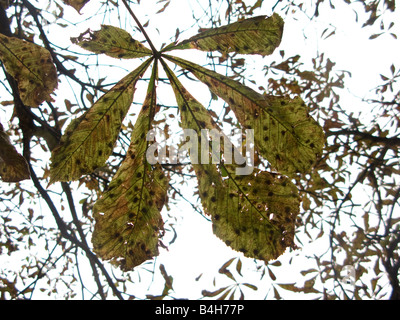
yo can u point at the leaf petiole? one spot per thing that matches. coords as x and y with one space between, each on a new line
155 51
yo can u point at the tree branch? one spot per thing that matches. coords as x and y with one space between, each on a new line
71 237
60 67
366 136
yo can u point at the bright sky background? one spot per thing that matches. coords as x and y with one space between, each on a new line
196 250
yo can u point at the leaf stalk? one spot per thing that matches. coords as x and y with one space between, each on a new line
155 51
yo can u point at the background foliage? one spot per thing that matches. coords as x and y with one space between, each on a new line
349 212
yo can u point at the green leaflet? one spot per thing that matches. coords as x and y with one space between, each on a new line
261 210
13 166
254 214
258 35
284 133
76 4
89 140
112 41
128 219
32 67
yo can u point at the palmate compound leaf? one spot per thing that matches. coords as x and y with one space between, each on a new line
13 166
112 41
32 67
284 132
89 140
128 219
258 35
254 213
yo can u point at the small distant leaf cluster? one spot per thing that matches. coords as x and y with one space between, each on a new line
254 214
231 291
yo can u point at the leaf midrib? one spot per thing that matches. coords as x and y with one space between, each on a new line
144 66
195 38
192 66
150 120
222 164
130 50
18 59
